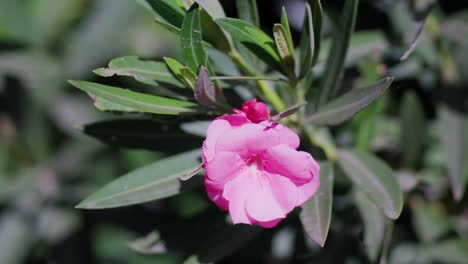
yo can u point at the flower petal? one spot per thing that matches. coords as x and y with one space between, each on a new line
299 166
261 205
215 193
284 191
224 166
235 192
284 135
215 130
306 190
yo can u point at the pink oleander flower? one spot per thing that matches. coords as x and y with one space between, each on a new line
253 169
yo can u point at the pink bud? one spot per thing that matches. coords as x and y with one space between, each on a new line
256 111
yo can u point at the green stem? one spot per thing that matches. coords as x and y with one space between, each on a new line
240 78
318 139
265 89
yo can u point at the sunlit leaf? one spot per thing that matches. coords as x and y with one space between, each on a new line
316 213
254 39
152 182
285 49
149 72
108 98
168 10
184 74
374 178
192 40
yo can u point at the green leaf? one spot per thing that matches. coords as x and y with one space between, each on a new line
316 213
248 11
374 178
345 106
430 221
192 40
168 10
285 49
148 245
453 251
413 131
148 72
253 39
108 98
152 182
143 134
453 137
337 54
287 29
374 225
212 33
307 44
184 74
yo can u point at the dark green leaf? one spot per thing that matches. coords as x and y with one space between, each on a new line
254 39
212 33
143 134
192 41
453 137
316 213
307 44
184 74
149 72
413 130
167 10
152 182
248 11
337 54
344 107
374 225
108 98
374 178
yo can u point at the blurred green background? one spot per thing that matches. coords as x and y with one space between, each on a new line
48 165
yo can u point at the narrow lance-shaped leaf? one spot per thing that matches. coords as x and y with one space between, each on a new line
344 107
307 44
287 28
316 213
317 18
413 132
148 72
168 10
212 32
213 7
108 98
374 225
284 48
254 39
152 182
374 178
289 111
248 11
192 41
143 134
184 74
452 134
337 54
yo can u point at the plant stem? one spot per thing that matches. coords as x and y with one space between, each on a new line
235 78
265 89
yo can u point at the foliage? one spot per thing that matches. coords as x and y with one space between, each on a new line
383 110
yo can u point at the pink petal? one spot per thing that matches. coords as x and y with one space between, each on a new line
284 191
216 129
306 191
216 195
223 167
284 135
234 120
299 166
247 140
235 192
269 224
261 205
